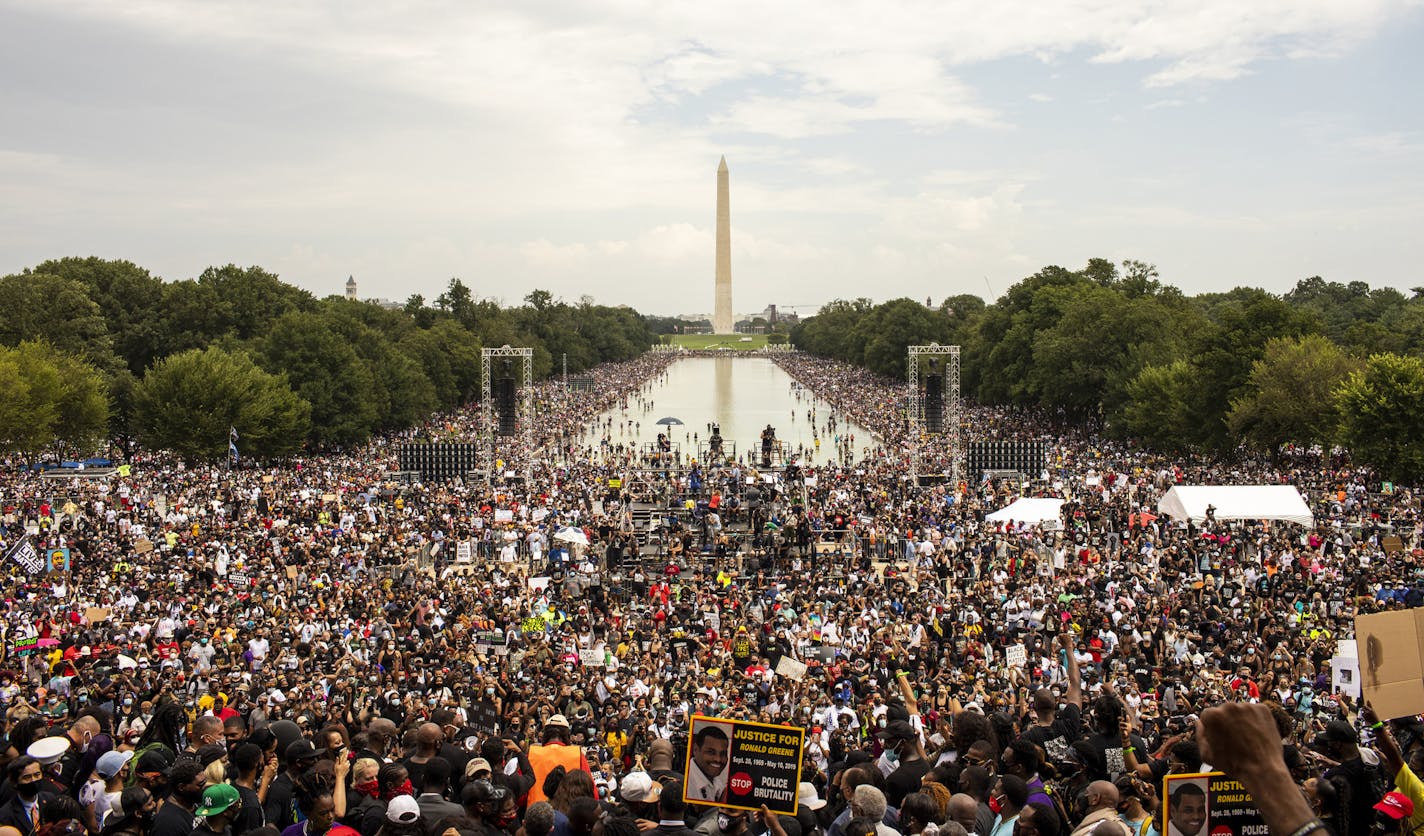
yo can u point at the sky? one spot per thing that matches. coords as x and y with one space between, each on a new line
877 149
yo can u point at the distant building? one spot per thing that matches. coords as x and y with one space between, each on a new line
351 288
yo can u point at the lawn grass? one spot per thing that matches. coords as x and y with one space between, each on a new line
733 341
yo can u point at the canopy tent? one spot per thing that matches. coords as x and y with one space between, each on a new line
1031 510
1236 502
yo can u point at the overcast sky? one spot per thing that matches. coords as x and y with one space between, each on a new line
876 149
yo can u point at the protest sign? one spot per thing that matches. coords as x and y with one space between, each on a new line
57 560
24 647
731 763
465 551
484 717
1345 675
1202 803
94 615
1015 656
24 554
591 658
143 547
790 668
1390 646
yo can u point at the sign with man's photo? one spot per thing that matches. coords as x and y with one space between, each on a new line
741 765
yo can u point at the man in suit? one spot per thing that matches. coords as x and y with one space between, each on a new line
23 811
434 808
672 812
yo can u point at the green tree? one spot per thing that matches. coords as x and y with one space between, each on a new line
1382 415
1158 410
128 296
1239 325
56 310
1289 395
888 329
450 357
51 399
188 403
328 374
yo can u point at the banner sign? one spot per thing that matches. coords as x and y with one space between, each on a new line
1209 804
57 560
731 763
24 554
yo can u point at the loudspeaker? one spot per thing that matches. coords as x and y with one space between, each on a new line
504 405
934 403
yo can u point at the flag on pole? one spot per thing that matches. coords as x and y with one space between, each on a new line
232 449
232 433
24 554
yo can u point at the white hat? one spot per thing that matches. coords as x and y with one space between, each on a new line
806 795
48 750
639 788
557 720
403 810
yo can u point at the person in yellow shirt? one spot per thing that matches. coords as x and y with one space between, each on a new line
1406 781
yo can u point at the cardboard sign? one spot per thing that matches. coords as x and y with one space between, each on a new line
591 658
292 572
1392 544
731 763
1391 650
1209 804
791 669
94 615
1015 656
267 480
143 547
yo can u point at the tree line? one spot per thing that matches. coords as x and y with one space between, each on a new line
92 349
1324 365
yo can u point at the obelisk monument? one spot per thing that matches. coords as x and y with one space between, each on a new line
722 308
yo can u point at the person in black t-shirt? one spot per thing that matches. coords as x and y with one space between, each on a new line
1055 730
902 747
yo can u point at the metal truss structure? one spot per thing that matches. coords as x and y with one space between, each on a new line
525 411
915 402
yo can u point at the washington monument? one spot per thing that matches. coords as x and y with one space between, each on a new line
722 308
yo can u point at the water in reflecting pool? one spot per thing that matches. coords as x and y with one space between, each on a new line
742 395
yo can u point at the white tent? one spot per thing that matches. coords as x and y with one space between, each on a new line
1236 502
1031 510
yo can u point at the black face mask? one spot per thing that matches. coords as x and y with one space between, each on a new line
28 790
188 796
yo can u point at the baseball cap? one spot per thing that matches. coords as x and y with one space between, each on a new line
403 810
1340 731
476 766
1396 805
154 760
300 750
558 720
111 762
639 788
216 799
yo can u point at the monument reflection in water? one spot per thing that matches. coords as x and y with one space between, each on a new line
742 395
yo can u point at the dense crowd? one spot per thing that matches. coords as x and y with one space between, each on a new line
320 646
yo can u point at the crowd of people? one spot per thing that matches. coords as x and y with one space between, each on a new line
321 645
